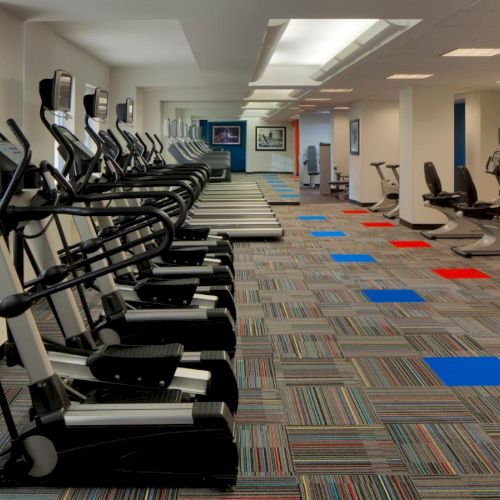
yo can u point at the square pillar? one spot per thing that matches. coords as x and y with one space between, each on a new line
426 134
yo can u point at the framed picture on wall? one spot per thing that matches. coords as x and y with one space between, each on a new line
270 138
226 135
354 136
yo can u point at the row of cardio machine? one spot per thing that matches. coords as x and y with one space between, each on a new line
468 217
144 394
237 209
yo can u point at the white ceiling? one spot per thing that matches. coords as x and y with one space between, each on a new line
211 46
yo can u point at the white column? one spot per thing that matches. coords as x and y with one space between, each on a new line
426 134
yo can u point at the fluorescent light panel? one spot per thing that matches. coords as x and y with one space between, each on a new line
341 108
262 105
409 76
318 99
271 94
472 53
313 42
308 105
337 91
257 113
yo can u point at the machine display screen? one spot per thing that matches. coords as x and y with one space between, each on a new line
130 110
493 162
101 103
63 87
11 152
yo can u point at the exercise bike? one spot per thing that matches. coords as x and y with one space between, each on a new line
390 191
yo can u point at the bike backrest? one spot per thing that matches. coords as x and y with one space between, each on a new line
432 178
466 186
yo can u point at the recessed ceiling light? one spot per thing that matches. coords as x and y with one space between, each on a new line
409 76
341 108
337 91
318 99
472 53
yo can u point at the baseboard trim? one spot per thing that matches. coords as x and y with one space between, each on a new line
267 172
361 203
295 203
419 227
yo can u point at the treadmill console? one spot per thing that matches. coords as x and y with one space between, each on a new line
10 158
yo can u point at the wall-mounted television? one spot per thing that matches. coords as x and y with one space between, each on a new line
230 135
130 110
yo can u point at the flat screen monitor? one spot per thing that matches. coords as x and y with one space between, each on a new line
130 110
62 91
493 161
101 103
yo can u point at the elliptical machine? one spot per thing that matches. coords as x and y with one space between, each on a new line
113 443
390 189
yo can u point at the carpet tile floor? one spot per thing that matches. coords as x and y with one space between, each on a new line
337 400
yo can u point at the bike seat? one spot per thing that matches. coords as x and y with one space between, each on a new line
377 163
392 166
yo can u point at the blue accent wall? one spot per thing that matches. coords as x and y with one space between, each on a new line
204 128
238 152
459 136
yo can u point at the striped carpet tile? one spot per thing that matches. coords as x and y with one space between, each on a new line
252 327
491 344
298 326
285 310
312 259
344 450
244 275
482 402
260 488
254 347
264 451
446 345
418 405
308 406
364 326
250 310
446 449
457 487
119 494
335 372
356 347
445 296
361 309
357 487
305 346
340 296
395 372
247 297
493 431
406 310
275 267
287 284
454 310
254 373
432 326
260 406
480 325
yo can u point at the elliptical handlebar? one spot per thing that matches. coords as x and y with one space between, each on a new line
20 169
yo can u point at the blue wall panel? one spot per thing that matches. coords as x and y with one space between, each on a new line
239 152
459 136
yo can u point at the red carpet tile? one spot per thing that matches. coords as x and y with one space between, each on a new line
378 224
355 211
461 274
410 244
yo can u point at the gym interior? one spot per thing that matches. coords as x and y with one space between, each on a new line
250 249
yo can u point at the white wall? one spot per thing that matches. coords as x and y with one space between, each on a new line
427 134
11 68
269 161
45 52
314 128
341 141
378 141
482 124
